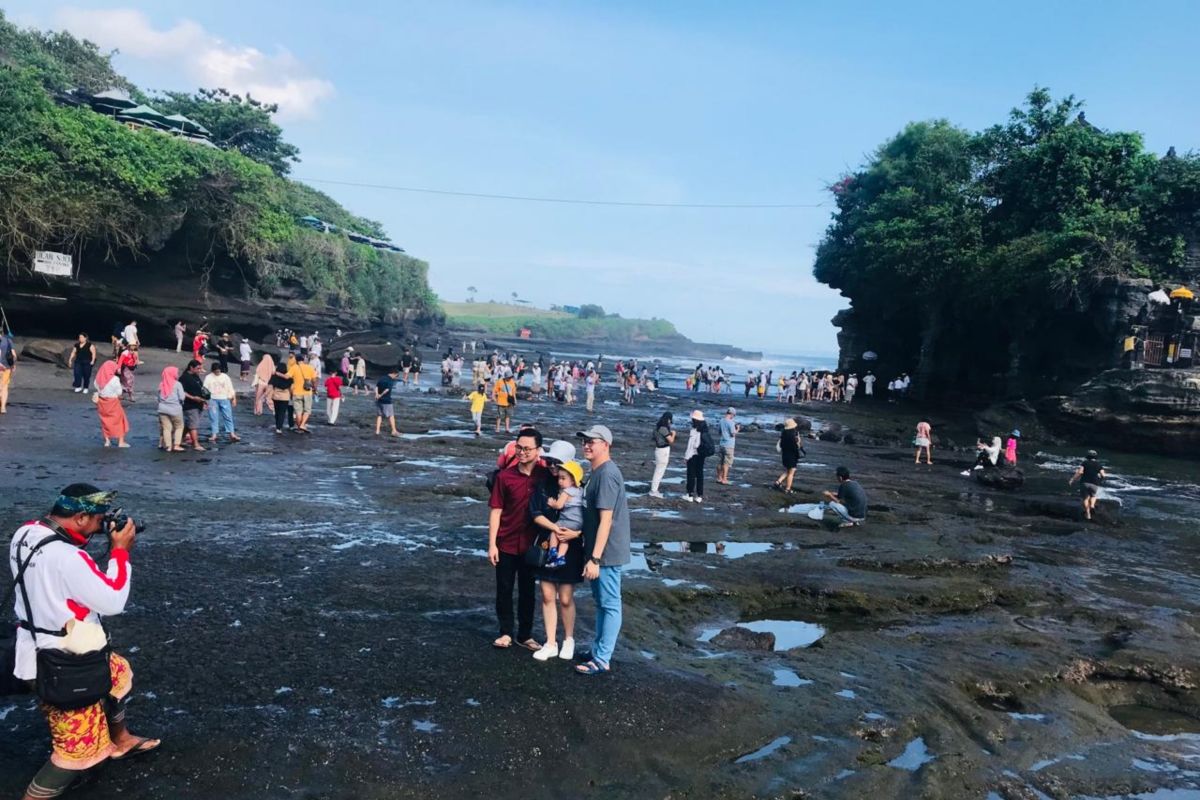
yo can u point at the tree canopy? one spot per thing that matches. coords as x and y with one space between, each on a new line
991 230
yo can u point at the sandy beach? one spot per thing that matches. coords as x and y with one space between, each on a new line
312 615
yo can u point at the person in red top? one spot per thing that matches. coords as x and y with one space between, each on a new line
510 533
333 397
126 364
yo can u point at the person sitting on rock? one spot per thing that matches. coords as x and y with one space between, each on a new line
989 456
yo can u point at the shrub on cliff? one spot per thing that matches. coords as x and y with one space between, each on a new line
71 178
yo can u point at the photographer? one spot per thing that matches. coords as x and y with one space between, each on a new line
60 597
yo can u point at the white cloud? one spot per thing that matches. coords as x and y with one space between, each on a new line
203 57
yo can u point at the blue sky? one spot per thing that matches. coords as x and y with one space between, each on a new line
689 102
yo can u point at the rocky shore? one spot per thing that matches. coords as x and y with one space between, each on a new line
312 616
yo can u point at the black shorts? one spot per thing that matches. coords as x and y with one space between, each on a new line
1088 490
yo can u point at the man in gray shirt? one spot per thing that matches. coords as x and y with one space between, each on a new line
729 432
605 542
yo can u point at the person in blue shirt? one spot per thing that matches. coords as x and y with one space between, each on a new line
729 431
383 401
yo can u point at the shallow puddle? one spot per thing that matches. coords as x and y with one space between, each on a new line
765 750
1154 721
785 677
915 756
789 633
731 550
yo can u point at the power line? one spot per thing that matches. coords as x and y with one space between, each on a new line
564 200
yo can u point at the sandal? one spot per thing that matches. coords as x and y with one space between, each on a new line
142 745
503 643
591 668
531 644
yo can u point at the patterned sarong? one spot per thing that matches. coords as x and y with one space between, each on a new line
80 738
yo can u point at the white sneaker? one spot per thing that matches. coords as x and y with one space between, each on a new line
85 391
697 499
78 389
687 498
547 652
655 495
966 473
567 651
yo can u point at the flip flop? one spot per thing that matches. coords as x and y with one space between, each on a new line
144 745
591 668
531 644
498 645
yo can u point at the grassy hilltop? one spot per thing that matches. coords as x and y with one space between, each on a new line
502 319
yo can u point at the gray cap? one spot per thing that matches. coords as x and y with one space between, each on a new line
596 432
731 410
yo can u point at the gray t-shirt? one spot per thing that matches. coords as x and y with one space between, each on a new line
606 490
854 498
728 433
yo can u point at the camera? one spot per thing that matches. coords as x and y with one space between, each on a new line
115 519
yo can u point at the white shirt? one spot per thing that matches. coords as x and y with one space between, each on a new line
130 334
64 583
110 389
317 347
244 350
219 387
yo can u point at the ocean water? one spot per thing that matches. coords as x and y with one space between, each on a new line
674 369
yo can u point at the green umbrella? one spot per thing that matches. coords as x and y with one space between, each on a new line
180 122
113 98
145 115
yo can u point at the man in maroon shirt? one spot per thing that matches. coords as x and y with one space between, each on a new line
510 533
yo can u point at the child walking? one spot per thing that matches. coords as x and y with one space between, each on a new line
478 400
569 505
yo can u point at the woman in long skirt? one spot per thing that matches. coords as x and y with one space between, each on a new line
262 384
113 422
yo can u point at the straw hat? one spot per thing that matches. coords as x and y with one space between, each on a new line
698 415
789 424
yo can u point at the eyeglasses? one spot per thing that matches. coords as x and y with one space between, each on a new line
521 449
590 442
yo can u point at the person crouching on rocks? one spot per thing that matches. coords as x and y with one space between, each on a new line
989 456
849 503
61 595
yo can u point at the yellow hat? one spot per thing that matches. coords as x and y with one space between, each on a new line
574 470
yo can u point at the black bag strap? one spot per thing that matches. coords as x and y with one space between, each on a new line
57 535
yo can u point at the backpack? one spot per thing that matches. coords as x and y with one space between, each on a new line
706 448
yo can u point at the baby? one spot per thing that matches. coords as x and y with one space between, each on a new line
569 505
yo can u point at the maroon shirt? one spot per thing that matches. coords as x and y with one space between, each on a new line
511 495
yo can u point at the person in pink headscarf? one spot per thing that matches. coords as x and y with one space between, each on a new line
113 422
170 410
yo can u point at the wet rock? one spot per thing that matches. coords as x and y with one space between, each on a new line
48 350
1005 478
832 432
736 638
1169 676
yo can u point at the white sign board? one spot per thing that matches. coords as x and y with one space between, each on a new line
49 263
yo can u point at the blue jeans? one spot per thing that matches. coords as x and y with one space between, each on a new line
606 591
220 414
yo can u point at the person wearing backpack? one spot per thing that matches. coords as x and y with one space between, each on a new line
8 362
699 447
664 437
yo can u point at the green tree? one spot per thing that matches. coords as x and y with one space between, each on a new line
235 122
590 311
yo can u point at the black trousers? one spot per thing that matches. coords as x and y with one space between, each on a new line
695 476
281 413
510 570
